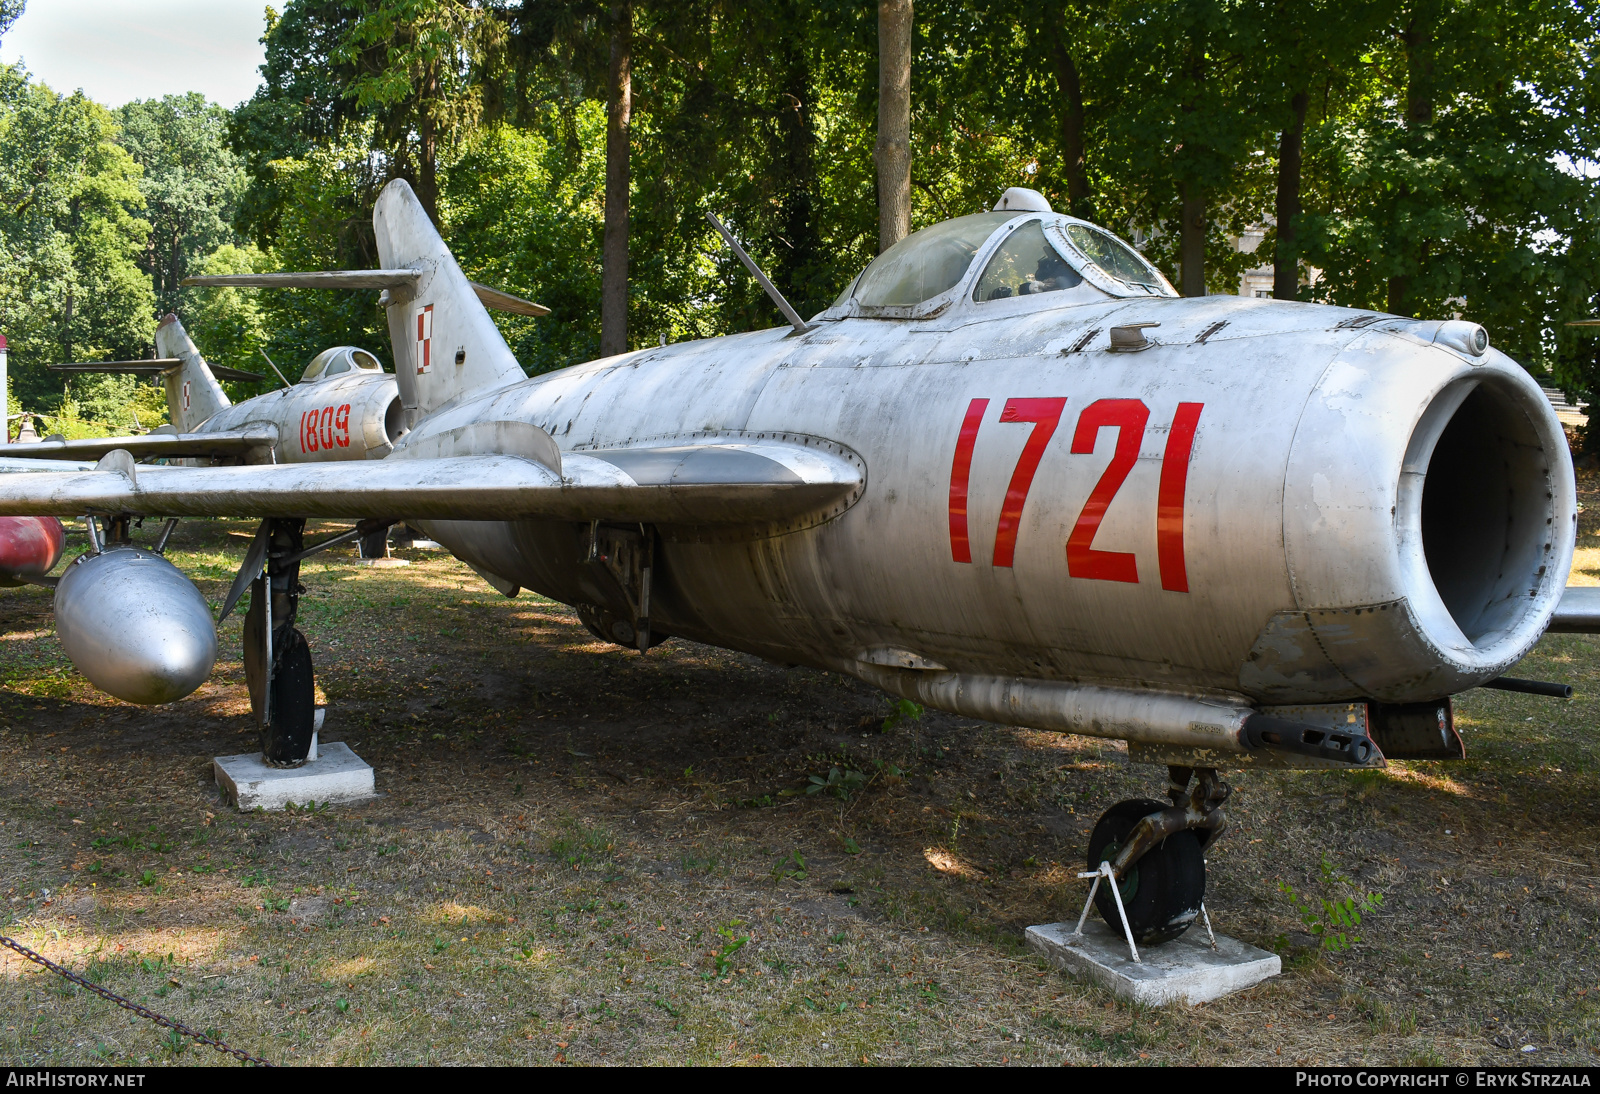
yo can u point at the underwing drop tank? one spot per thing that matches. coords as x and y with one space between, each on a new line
135 626
29 547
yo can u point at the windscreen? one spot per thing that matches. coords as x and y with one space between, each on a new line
1024 265
1115 257
926 263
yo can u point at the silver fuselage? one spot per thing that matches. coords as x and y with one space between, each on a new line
1359 512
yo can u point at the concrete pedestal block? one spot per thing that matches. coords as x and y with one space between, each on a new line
1186 970
334 775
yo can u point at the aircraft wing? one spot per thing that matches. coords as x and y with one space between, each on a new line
1578 612
150 445
697 484
155 366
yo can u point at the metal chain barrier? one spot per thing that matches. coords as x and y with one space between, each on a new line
128 1004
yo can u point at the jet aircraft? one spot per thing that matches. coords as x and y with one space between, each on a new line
1009 473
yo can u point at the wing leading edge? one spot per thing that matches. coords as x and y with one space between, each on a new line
695 485
237 442
1578 612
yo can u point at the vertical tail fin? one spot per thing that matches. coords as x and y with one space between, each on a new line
445 344
193 394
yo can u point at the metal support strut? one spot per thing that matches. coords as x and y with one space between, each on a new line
1105 874
1198 807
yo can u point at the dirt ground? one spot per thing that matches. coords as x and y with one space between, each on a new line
584 855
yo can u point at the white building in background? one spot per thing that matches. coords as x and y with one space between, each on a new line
1257 281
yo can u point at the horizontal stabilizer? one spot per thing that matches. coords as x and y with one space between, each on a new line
9 466
695 485
495 300
153 366
321 279
362 279
151 445
1578 612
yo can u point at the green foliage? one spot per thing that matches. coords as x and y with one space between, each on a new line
792 868
732 944
10 12
70 234
229 325
839 784
191 182
902 712
1332 920
1448 166
522 210
325 225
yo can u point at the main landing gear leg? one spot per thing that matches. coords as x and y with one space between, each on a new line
1157 855
277 661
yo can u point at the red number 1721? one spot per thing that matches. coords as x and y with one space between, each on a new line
1128 417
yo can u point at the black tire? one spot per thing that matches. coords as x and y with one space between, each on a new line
1162 890
293 702
614 629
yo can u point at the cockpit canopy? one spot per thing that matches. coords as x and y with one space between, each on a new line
997 256
339 359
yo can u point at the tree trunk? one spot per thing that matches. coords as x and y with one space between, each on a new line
797 260
894 122
614 250
1192 241
1291 146
1072 153
1417 37
66 332
428 149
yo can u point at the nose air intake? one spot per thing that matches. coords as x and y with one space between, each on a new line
1479 492
1485 513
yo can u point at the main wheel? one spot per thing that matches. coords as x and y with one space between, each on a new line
610 628
375 544
1163 889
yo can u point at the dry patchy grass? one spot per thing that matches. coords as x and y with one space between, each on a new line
583 855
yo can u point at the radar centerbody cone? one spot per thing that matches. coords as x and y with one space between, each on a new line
29 545
135 626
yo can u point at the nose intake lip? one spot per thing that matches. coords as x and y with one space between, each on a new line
1479 509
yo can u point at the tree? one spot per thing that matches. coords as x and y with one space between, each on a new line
619 117
70 235
10 12
1443 186
230 325
523 217
894 121
1069 89
1307 50
325 224
413 62
191 182
1179 136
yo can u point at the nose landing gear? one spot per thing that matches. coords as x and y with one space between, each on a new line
277 660
1157 855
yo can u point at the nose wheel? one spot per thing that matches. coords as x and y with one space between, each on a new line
1157 856
277 660
1163 889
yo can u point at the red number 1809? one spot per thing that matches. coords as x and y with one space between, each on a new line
1128 417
